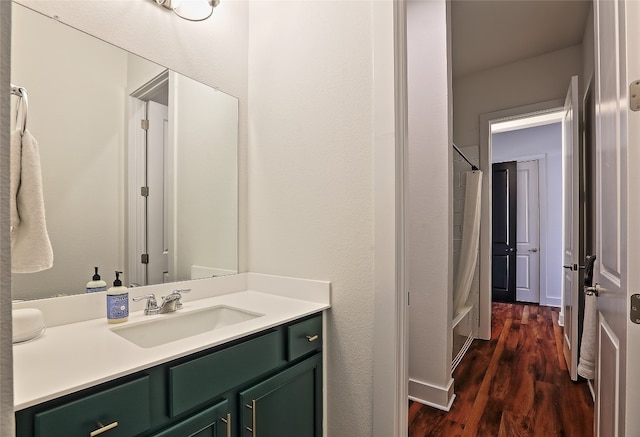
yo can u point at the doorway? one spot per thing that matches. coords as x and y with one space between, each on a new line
535 146
516 229
526 134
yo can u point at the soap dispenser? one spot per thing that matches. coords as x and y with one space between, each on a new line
117 302
96 284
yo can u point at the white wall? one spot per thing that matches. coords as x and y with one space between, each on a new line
541 140
429 232
311 177
532 80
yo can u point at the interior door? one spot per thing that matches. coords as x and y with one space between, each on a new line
617 217
528 233
503 223
571 227
157 237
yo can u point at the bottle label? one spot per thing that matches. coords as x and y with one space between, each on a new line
117 306
96 289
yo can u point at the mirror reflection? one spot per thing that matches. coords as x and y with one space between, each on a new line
156 200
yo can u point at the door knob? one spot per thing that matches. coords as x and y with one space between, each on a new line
535 249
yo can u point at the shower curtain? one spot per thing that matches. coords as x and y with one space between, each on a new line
470 240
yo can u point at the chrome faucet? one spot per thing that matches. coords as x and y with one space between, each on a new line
170 303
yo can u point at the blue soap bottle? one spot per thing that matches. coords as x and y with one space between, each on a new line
117 302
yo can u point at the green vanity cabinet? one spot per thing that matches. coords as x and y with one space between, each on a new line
277 373
286 404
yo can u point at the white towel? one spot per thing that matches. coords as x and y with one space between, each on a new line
586 364
30 246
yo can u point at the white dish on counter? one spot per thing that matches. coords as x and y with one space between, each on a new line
28 324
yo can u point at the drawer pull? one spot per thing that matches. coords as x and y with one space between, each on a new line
311 338
103 428
252 430
227 421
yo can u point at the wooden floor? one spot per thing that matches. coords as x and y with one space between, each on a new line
514 385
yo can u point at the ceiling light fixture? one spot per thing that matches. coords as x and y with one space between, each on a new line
192 10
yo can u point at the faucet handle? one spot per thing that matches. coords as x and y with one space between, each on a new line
178 294
152 304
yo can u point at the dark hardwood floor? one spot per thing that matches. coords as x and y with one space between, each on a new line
514 385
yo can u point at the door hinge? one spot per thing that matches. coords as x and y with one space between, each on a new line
144 191
634 95
144 258
144 124
634 313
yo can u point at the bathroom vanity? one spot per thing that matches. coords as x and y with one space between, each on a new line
257 376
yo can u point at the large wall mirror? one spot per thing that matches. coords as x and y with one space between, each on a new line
86 102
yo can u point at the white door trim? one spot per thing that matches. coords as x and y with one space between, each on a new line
391 355
486 120
135 179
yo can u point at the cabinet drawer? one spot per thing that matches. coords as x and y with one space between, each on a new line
124 408
304 337
200 380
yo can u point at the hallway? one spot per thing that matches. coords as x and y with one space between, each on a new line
516 384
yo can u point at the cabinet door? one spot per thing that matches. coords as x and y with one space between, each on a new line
214 421
287 404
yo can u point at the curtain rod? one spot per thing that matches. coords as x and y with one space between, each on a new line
473 167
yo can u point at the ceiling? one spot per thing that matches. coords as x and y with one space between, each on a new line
486 34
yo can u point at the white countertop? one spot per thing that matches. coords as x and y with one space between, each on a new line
71 357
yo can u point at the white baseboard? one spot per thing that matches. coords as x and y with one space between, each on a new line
434 396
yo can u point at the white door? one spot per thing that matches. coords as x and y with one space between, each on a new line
528 233
571 227
617 270
157 203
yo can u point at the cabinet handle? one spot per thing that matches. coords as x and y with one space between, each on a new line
252 429
311 338
103 428
227 420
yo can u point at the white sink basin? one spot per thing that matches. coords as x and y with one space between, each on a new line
166 328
